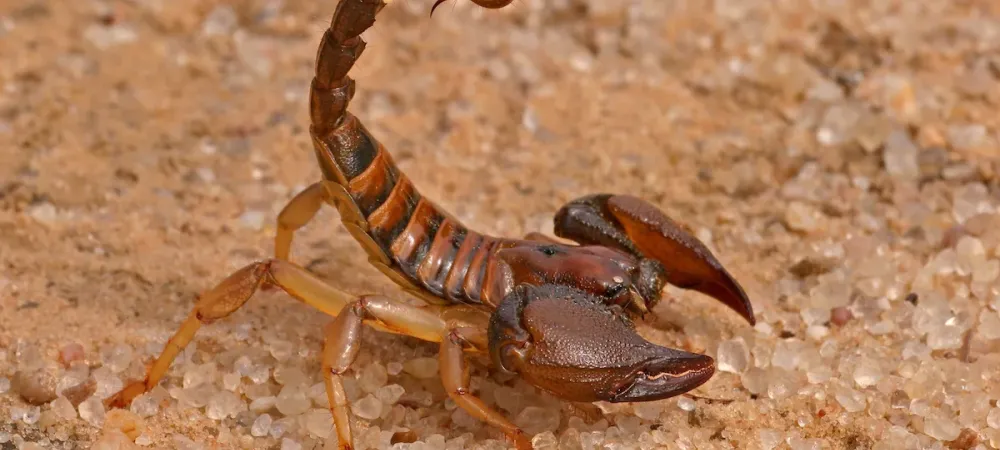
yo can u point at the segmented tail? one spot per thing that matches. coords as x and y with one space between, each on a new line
378 203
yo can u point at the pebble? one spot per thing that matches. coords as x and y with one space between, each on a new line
733 356
36 387
373 377
117 357
292 401
224 404
92 411
319 423
850 399
63 408
71 353
901 156
424 368
534 420
261 426
368 407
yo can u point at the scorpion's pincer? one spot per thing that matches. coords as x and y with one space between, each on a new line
569 343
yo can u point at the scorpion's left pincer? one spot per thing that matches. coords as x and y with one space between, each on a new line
575 346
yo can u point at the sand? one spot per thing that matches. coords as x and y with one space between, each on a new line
839 157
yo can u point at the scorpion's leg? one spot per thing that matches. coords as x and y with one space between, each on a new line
637 227
343 341
455 376
296 214
231 294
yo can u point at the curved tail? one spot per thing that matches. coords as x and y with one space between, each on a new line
405 234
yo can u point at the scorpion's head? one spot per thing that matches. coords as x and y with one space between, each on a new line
573 345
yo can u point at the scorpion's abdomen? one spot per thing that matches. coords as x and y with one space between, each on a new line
428 246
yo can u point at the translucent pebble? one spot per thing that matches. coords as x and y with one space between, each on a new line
71 353
143 440
4 385
867 374
535 420
107 382
260 374
29 414
63 408
851 400
800 216
648 411
92 411
733 356
755 380
199 374
292 401
261 426
287 375
900 156
686 404
993 418
770 438
289 444
145 405
116 357
317 393
945 337
394 368
197 396
422 367
817 332
243 366
798 443
815 316
319 423
938 426
231 381
224 404
368 408
263 404
779 387
373 377
785 356
281 350
545 441
967 137
390 394
182 442
914 349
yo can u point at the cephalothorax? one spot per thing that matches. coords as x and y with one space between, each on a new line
559 315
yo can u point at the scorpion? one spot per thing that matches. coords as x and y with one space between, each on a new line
559 313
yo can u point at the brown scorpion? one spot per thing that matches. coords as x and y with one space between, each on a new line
558 314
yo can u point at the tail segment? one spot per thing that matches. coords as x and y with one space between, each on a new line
423 242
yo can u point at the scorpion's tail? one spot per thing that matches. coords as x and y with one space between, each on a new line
397 226
332 89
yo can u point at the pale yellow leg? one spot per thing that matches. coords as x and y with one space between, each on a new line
235 290
296 214
455 376
343 342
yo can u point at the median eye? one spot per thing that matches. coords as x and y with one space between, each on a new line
548 250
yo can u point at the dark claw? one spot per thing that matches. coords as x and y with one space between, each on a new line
635 226
573 345
436 4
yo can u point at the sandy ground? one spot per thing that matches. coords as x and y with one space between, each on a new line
840 157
